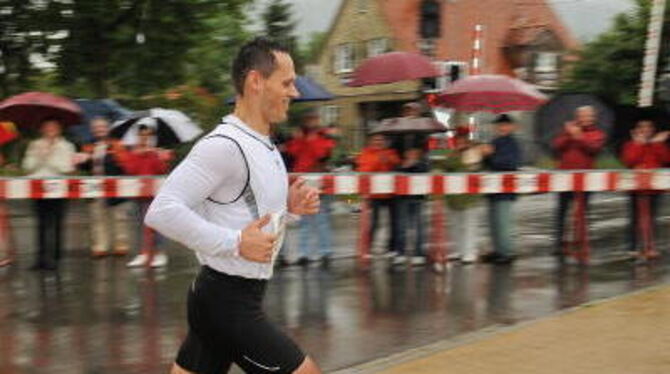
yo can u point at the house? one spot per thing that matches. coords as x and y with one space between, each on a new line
522 38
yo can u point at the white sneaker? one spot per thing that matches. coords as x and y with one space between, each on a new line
389 254
138 261
418 260
399 260
160 260
454 256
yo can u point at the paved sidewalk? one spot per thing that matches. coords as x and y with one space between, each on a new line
627 335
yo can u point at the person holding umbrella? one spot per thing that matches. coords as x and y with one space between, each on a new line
101 158
503 154
577 147
49 156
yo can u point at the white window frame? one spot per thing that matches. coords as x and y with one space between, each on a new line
330 114
546 62
377 46
344 58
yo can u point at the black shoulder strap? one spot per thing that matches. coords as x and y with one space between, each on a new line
247 191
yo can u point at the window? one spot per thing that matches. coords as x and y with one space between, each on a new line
344 58
546 62
429 27
362 6
450 71
330 114
377 46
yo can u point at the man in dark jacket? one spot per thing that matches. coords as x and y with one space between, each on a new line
503 154
577 147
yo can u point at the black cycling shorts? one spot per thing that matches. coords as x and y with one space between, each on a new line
227 325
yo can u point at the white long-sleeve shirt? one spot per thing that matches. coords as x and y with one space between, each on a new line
43 159
232 176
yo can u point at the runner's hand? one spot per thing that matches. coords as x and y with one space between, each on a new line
256 245
303 199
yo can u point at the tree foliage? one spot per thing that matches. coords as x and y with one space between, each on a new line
278 25
611 65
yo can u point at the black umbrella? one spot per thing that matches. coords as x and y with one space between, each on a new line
106 108
550 119
172 127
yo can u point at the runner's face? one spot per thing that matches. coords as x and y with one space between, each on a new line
279 89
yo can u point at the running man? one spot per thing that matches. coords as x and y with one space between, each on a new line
228 201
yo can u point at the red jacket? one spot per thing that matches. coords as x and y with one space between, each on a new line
645 155
144 163
309 152
579 153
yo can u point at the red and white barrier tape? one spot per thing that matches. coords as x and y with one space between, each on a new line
364 184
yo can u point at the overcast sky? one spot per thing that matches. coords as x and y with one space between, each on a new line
585 18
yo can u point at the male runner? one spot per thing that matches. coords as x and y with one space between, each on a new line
228 201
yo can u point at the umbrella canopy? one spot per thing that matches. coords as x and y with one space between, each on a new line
308 89
106 108
405 125
29 109
172 127
393 67
491 93
552 116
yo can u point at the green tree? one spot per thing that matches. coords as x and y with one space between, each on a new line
311 49
611 65
278 25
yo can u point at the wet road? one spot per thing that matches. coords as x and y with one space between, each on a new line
100 317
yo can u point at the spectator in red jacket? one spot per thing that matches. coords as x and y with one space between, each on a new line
310 150
378 157
647 149
577 147
145 159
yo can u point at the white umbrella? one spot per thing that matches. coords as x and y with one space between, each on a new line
172 127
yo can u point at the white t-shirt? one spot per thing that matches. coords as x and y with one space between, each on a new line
232 176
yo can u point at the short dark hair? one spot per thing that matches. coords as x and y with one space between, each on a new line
143 127
257 54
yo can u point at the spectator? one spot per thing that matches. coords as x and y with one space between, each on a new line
6 257
403 142
49 156
411 210
647 149
467 156
145 159
310 150
378 157
503 154
577 147
108 217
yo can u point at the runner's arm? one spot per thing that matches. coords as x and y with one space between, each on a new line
210 163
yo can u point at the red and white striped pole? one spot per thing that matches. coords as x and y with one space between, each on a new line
652 49
476 67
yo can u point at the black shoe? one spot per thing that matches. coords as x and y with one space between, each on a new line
325 262
504 260
490 257
303 261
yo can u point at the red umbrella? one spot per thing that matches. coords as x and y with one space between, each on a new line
491 93
404 125
29 109
393 67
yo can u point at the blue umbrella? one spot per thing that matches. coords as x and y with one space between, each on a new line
106 108
309 91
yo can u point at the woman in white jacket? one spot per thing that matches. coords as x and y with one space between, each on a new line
49 156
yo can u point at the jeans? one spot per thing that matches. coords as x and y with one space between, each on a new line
565 199
465 231
319 223
411 211
50 216
392 205
148 239
501 223
634 205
